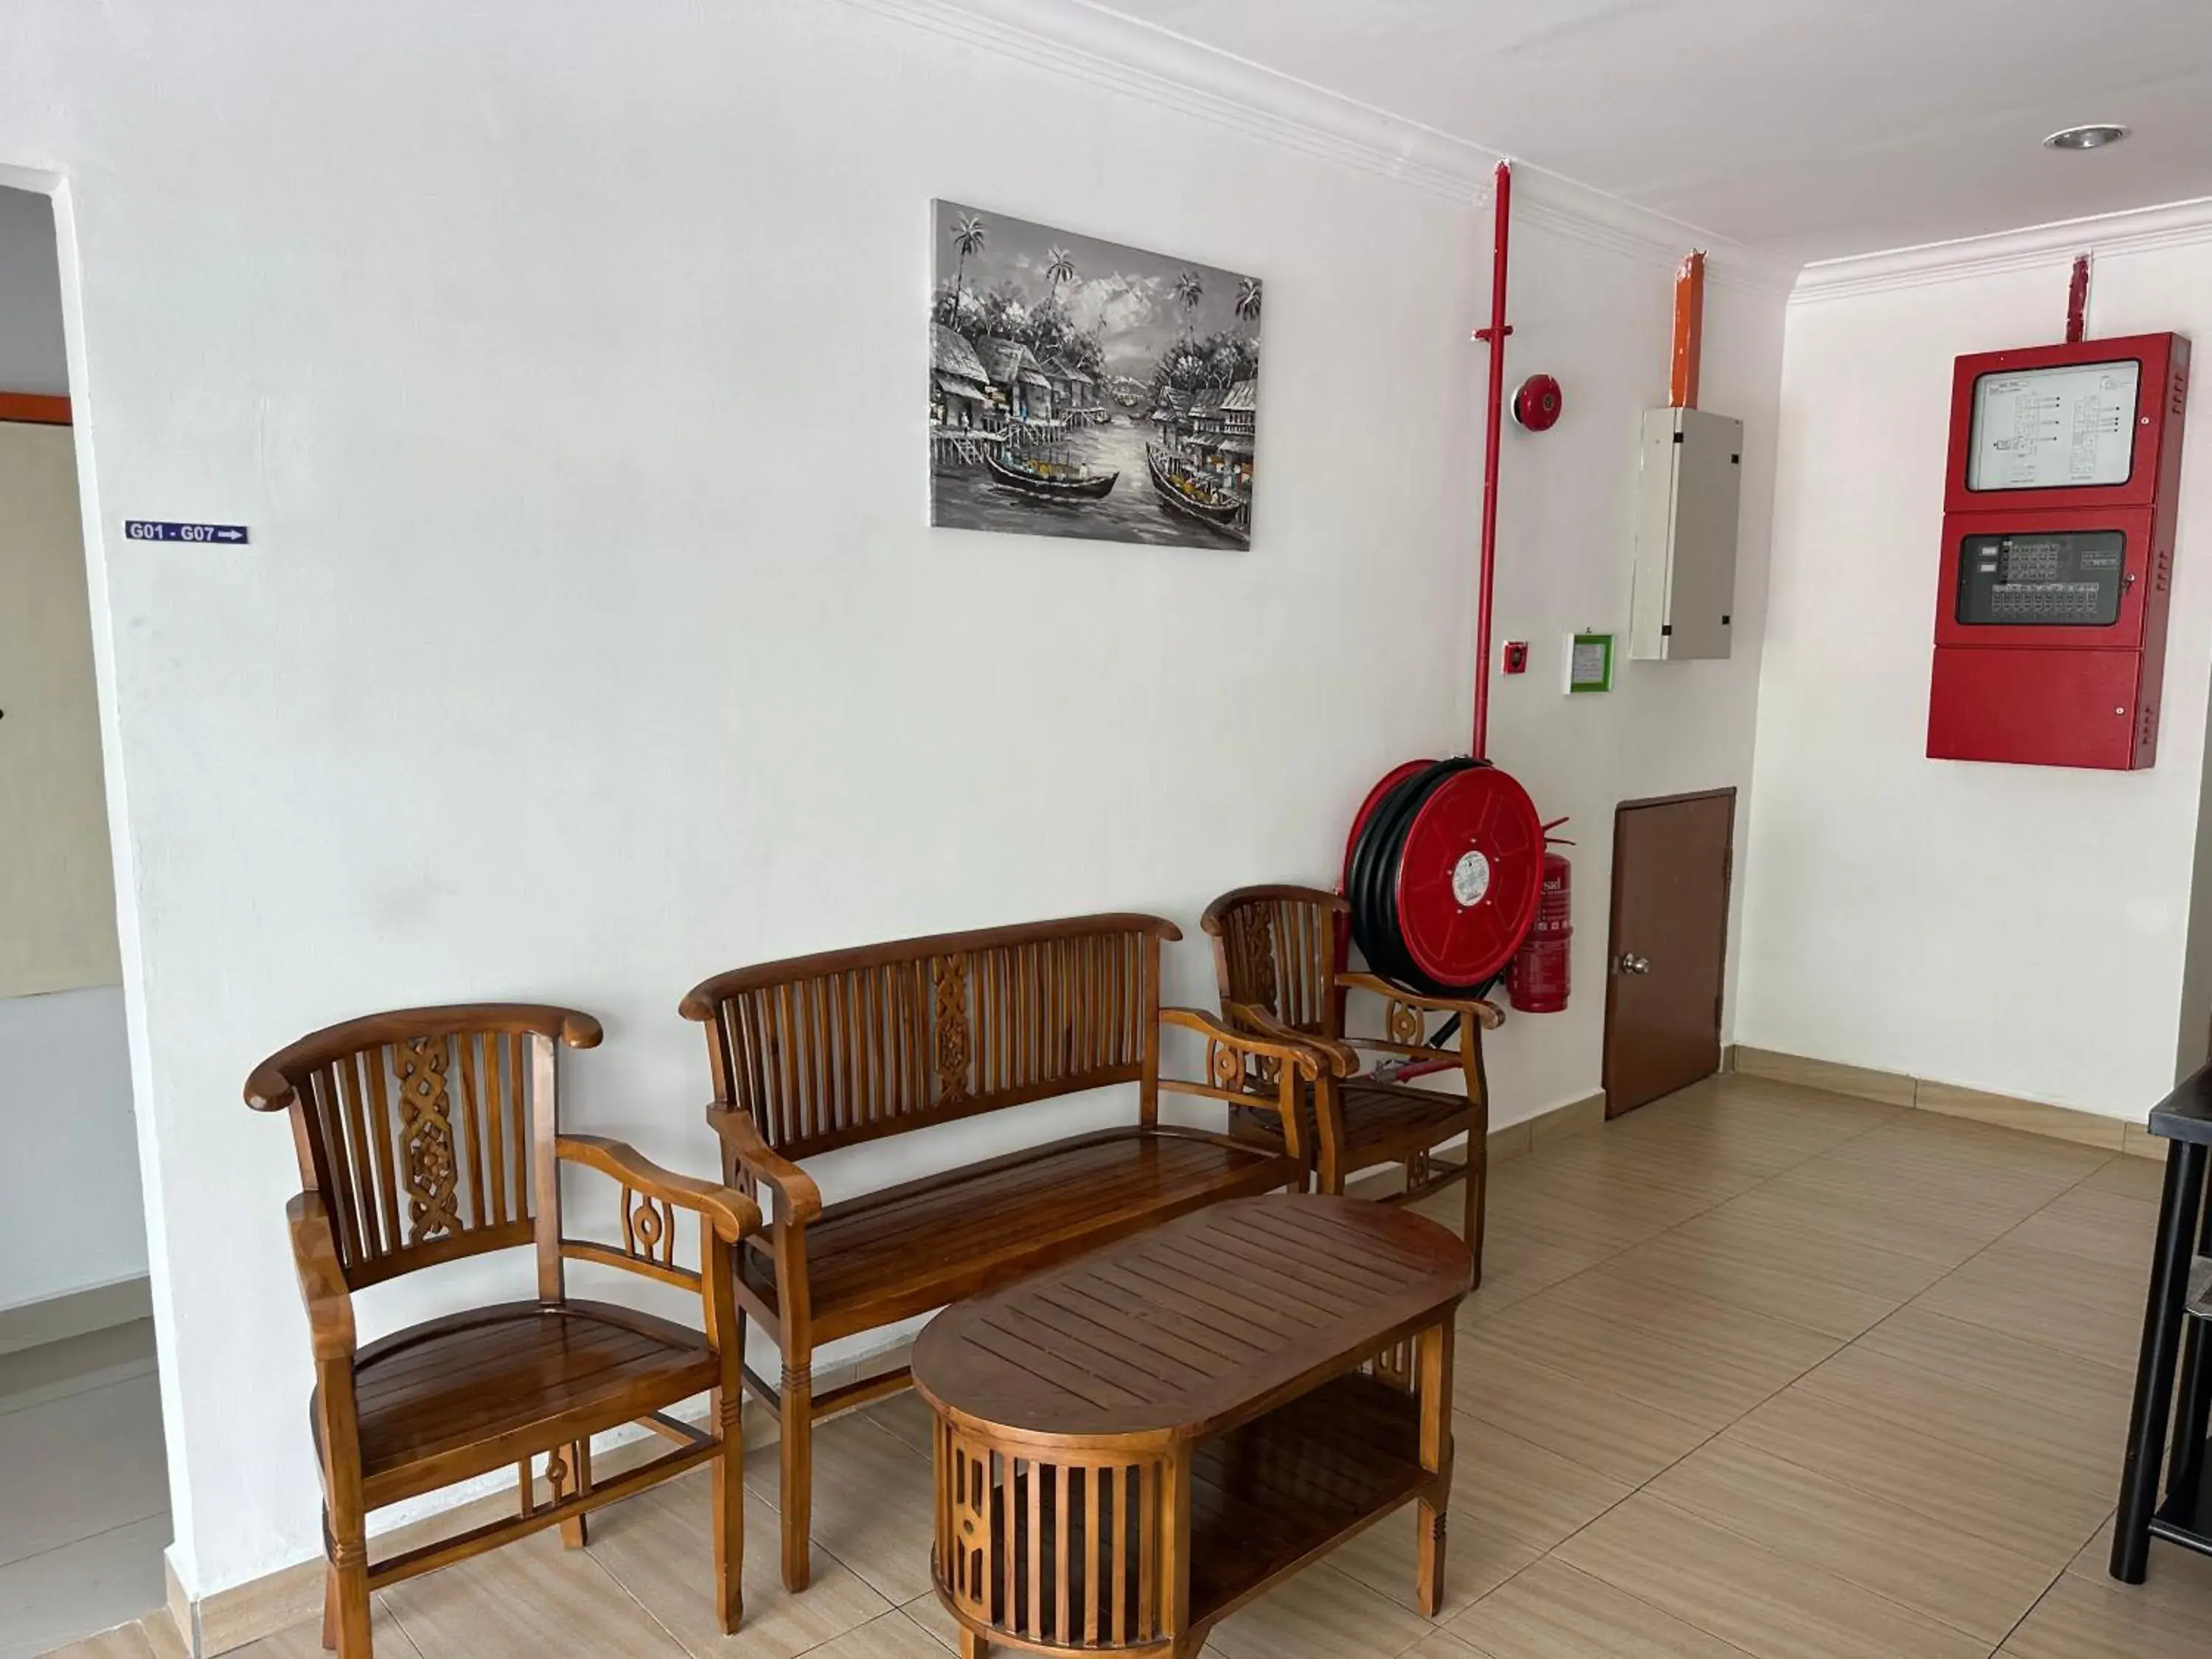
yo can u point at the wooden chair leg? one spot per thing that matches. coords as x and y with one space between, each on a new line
330 1609
1478 1194
348 1588
798 1414
729 1481
575 1531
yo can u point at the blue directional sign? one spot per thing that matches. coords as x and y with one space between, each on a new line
161 530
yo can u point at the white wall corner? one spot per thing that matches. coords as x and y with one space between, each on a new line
2174 224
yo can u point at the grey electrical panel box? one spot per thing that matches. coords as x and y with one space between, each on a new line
1688 487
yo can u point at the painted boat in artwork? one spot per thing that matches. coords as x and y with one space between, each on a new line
1221 511
1053 481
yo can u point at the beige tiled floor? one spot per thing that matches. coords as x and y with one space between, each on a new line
1758 1371
84 1499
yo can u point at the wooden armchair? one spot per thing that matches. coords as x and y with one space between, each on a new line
1276 959
429 1134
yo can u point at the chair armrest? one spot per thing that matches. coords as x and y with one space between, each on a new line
734 1214
1489 1015
1307 1054
1339 1058
797 1199
322 1280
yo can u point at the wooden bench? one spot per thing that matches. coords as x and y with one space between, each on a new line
823 1052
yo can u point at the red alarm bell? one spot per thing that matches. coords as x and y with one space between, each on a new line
1536 404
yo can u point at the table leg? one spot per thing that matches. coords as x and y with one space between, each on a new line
1174 1549
2185 1470
1435 1362
2178 1214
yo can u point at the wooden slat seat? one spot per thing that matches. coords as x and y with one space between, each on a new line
906 1250
824 1053
473 1392
1383 1122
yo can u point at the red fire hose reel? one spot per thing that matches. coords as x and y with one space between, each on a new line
1444 870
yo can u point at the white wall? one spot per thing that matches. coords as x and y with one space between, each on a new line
70 1215
1602 325
31 354
2017 929
591 637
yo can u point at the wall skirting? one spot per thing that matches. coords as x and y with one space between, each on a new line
2036 1117
59 1317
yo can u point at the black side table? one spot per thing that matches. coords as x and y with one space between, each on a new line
2170 1338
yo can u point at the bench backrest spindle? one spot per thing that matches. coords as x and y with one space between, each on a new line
846 1047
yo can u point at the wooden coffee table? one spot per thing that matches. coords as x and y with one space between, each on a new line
1135 1444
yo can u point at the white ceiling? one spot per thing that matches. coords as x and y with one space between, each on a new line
1809 128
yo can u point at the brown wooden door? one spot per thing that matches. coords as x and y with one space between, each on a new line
1668 943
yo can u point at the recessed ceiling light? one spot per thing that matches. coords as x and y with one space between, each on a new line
2095 136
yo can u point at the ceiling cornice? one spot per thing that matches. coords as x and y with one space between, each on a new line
1102 48
2172 225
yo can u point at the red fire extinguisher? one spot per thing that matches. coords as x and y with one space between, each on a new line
1538 981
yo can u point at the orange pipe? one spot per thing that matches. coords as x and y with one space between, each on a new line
1689 329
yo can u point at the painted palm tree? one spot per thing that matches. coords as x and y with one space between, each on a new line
1189 289
1059 267
1247 299
970 236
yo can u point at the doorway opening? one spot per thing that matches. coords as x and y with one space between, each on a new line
79 1405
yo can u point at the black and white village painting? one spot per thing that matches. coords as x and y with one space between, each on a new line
1082 388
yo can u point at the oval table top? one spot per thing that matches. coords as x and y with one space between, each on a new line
1193 1326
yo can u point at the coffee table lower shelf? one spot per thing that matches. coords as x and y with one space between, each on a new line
1084 1554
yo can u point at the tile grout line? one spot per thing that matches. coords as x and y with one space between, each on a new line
1844 1347
52 1394
638 1601
88 1538
1897 1115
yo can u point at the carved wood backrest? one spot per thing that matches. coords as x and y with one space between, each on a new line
429 1132
849 1046
1275 949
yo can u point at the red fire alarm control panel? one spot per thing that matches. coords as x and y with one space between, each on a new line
2058 553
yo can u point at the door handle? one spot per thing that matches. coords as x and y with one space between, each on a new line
1632 963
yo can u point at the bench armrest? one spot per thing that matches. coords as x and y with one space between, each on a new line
797 1198
1338 1057
1487 1014
322 1280
732 1213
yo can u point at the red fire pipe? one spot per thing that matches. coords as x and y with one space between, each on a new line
2077 301
1494 336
